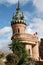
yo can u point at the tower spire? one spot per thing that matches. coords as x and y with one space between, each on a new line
18 3
18 8
19 17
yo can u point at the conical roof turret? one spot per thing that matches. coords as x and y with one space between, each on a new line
18 17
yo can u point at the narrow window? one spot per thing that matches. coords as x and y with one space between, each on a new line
18 30
29 51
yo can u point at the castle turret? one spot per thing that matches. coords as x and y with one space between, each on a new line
18 27
18 23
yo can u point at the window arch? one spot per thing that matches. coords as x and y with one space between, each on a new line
18 30
29 51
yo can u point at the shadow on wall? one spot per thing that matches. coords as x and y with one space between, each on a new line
41 49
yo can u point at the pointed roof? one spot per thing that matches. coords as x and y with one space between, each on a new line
18 8
18 17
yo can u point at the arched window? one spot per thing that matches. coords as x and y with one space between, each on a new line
29 51
18 30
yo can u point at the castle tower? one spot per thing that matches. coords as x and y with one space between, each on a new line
18 23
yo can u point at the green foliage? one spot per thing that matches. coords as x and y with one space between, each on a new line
21 57
17 47
12 59
1 55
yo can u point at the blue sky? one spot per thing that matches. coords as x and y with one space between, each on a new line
33 13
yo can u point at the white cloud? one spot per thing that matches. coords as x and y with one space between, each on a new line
24 1
38 4
5 30
26 15
28 30
5 37
13 1
4 44
37 26
1 1
8 1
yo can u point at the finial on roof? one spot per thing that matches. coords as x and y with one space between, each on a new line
18 8
18 3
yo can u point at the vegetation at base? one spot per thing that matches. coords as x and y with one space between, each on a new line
1 55
19 55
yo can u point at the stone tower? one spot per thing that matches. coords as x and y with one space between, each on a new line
18 23
18 27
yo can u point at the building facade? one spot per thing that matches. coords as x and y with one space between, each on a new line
41 49
30 41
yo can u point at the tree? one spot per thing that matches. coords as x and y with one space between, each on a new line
18 49
1 55
12 59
